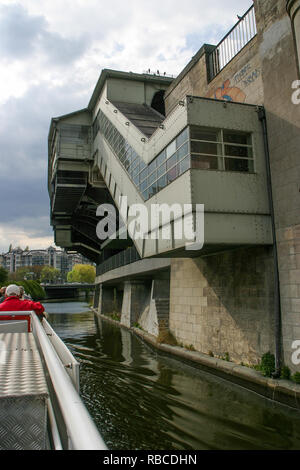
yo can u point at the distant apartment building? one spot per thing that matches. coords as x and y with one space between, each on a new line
59 259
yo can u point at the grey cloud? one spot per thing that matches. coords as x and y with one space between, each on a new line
25 121
22 35
63 50
23 198
25 124
30 228
35 227
18 31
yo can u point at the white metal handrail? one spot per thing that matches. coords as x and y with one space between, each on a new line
64 354
81 429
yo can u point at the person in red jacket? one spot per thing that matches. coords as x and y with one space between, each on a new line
13 303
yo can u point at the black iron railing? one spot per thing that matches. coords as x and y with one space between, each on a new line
128 256
234 41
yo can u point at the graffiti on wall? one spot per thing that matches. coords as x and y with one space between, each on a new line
227 92
246 76
235 89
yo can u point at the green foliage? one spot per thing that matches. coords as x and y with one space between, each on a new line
115 316
166 337
3 275
33 288
225 357
19 274
31 272
285 373
85 273
296 377
35 272
267 364
49 274
250 366
190 347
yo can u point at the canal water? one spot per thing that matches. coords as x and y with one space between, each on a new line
141 400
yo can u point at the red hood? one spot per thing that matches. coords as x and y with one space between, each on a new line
13 303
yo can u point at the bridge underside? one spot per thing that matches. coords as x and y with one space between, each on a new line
67 292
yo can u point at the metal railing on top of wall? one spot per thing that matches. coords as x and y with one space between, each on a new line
234 41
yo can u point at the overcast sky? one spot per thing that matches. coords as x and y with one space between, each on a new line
51 55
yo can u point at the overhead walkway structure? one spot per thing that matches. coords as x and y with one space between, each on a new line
204 151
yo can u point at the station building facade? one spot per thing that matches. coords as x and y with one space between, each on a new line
224 134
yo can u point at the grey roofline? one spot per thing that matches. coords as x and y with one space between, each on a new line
108 73
63 116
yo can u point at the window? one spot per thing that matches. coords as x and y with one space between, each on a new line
170 163
220 149
195 147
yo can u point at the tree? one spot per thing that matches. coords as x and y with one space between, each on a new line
49 274
20 273
37 270
82 273
3 275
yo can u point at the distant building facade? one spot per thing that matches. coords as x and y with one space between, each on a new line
59 259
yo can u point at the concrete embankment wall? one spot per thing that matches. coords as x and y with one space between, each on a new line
221 304
224 303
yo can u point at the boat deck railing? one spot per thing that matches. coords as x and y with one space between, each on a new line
69 423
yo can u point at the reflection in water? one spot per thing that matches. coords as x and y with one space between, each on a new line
140 400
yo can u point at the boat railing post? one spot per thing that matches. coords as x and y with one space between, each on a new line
82 430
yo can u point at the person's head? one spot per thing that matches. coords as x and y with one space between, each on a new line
22 290
2 291
12 289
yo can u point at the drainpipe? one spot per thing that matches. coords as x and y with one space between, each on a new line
277 305
293 9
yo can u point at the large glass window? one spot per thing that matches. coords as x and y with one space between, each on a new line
162 170
220 149
195 147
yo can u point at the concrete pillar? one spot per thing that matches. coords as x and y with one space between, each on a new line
106 300
156 314
126 346
135 296
96 296
293 8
